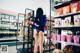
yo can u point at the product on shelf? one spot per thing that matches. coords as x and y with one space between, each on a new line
78 6
73 7
59 11
77 32
62 22
66 9
63 37
76 39
58 37
69 38
77 20
64 32
67 21
58 22
54 37
69 32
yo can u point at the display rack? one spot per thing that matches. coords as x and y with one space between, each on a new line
61 4
66 15
71 27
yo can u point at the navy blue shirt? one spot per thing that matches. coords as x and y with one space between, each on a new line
39 23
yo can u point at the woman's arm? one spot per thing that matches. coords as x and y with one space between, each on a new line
43 21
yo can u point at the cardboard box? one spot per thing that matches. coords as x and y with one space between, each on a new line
59 11
76 39
78 6
58 22
69 38
66 9
67 21
73 7
77 20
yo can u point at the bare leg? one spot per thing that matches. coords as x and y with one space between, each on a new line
41 41
35 41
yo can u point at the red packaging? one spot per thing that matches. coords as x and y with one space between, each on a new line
66 9
59 11
78 6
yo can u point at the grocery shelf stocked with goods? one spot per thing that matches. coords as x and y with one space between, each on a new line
66 23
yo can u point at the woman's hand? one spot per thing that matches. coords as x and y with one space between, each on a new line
30 22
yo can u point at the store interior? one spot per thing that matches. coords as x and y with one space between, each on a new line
62 31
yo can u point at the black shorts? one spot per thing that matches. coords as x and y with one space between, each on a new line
40 28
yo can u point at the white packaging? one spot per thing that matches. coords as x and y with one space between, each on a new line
58 22
77 20
67 21
63 23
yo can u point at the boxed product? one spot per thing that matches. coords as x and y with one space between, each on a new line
74 7
69 38
66 9
58 22
67 21
63 37
64 32
77 20
63 22
54 37
58 37
78 6
59 11
76 39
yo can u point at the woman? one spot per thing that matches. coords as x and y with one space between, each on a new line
38 27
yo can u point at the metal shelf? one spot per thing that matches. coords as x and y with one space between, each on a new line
68 43
64 3
66 15
67 27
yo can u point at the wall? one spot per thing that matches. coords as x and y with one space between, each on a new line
20 5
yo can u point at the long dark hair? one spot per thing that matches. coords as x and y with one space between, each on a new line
39 12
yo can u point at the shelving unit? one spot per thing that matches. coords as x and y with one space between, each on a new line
64 3
67 27
66 15
70 27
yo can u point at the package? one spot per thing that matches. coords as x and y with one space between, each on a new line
59 11
77 20
76 39
63 37
67 21
63 22
78 6
66 9
69 38
58 37
64 32
54 37
74 7
58 22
